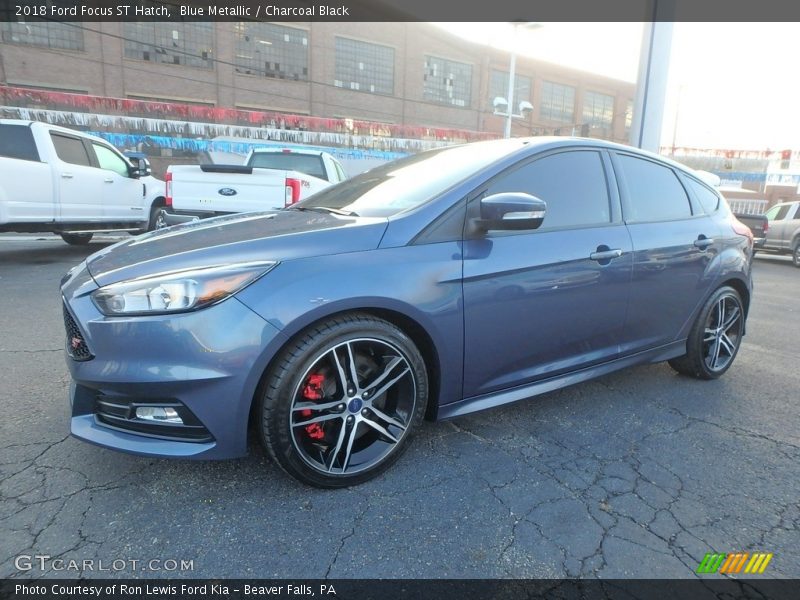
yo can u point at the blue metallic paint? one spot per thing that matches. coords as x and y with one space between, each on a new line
508 316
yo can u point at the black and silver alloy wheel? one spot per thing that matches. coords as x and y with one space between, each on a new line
715 337
342 401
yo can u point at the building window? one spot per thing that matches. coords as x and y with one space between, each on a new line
447 81
557 103
49 34
498 86
364 67
628 117
172 43
598 110
271 50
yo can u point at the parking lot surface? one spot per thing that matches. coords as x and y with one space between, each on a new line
636 474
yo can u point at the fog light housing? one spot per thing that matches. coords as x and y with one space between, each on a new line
161 414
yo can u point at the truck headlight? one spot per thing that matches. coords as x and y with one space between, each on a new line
177 291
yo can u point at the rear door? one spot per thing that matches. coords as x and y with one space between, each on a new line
673 250
122 195
539 303
80 184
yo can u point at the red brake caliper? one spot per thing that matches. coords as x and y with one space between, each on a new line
313 391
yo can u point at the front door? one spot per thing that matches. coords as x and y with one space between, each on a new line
539 303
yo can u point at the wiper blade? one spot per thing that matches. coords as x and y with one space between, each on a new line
325 209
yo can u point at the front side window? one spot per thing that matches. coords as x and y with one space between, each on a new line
447 81
654 191
110 160
572 184
70 150
364 67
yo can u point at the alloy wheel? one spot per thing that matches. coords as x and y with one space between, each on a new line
723 332
353 406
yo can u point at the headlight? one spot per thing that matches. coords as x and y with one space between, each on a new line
178 291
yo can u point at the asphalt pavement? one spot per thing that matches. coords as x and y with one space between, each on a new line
637 474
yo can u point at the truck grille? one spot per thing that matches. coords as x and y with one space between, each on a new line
76 345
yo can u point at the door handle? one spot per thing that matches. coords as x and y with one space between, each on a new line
109 180
703 242
605 254
67 176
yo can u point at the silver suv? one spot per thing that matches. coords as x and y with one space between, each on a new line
783 235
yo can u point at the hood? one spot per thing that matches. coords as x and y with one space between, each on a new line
281 235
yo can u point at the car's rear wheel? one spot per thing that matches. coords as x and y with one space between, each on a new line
77 239
796 254
340 403
715 337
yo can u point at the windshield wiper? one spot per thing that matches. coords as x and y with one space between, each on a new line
325 209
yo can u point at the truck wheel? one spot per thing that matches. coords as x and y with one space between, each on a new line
77 239
160 222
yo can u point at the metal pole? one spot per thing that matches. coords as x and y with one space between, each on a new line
510 96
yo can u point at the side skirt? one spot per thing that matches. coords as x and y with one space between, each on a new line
476 403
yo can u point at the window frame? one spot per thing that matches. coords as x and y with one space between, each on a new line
615 211
695 211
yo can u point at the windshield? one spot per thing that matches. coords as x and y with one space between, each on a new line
309 164
409 182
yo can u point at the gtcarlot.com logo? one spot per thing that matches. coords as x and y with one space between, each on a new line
735 562
44 562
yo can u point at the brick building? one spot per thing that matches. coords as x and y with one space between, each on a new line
393 73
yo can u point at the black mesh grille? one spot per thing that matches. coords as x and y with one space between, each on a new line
76 345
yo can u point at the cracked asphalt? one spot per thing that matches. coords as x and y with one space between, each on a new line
636 474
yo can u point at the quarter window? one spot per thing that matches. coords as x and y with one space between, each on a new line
110 161
708 199
654 191
573 184
70 150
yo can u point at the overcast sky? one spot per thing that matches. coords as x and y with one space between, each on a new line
737 83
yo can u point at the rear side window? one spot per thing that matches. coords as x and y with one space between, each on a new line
70 150
573 184
708 199
654 191
16 141
288 161
776 213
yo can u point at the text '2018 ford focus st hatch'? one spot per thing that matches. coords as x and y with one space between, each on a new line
444 283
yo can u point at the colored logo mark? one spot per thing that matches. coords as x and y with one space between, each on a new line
735 562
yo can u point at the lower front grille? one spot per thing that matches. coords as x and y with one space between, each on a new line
76 344
120 413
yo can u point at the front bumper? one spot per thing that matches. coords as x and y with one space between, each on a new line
206 363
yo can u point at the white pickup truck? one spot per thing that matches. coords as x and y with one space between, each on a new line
54 179
270 179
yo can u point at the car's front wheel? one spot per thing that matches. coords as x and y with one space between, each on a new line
715 337
339 404
796 254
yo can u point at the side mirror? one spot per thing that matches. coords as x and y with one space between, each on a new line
140 166
510 211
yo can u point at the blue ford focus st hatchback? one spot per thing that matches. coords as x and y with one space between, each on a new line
448 282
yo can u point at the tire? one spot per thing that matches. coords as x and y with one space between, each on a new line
153 221
796 254
159 222
77 239
713 341
353 436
